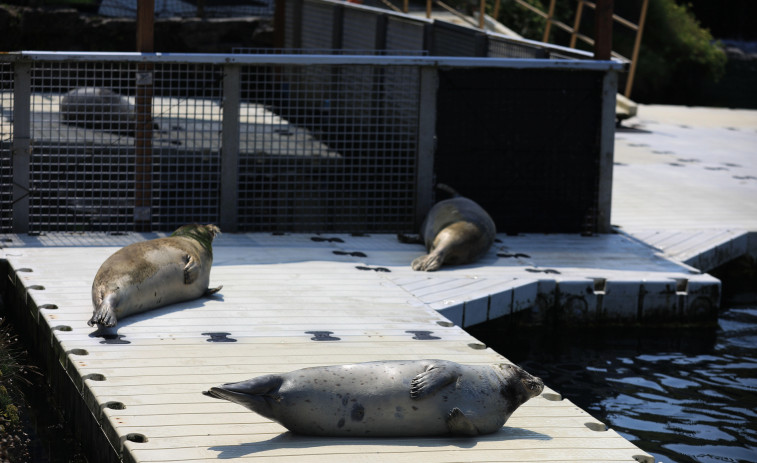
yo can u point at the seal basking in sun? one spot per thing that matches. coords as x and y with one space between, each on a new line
388 398
151 274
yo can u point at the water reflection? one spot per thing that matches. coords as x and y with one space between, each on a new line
683 395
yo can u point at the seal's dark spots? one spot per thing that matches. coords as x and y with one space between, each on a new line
340 424
322 336
219 337
358 412
423 335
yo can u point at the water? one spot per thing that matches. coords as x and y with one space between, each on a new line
683 395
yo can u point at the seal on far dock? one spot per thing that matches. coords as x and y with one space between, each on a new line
99 108
456 231
151 274
388 398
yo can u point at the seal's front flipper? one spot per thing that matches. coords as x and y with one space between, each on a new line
459 424
191 270
211 291
428 262
254 393
434 378
104 314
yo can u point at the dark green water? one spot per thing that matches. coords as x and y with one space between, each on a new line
681 395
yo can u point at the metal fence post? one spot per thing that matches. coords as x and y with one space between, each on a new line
606 151
21 149
429 81
229 207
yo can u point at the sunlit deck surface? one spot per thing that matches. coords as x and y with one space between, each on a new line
293 301
685 182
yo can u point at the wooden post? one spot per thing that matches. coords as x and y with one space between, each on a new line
577 23
603 30
428 8
405 6
496 9
550 15
636 46
482 14
143 135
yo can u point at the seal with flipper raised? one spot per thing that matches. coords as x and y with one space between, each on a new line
154 273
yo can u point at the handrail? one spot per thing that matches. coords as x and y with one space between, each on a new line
307 60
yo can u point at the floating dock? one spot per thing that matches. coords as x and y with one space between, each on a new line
296 300
287 302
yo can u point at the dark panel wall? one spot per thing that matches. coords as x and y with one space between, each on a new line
524 144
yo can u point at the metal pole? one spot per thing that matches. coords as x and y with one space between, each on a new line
550 14
143 135
228 216
603 30
21 149
426 143
606 151
636 46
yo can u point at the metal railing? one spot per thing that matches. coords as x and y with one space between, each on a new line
316 143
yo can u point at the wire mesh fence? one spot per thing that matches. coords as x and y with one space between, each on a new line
6 137
319 148
190 8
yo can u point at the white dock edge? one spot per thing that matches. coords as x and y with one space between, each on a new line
287 302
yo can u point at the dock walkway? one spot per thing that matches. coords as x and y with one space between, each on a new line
685 182
287 302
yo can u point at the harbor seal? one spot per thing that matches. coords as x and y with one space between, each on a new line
388 398
99 108
456 231
151 274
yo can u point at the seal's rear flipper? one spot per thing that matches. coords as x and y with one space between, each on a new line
211 291
104 314
459 424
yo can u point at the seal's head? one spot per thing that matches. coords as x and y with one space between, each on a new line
519 385
202 233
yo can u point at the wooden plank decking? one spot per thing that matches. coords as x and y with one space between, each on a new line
287 302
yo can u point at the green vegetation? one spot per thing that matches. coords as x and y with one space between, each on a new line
13 441
677 56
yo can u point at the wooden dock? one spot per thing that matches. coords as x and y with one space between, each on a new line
288 302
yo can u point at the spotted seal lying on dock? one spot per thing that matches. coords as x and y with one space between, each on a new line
154 273
100 109
388 398
456 231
